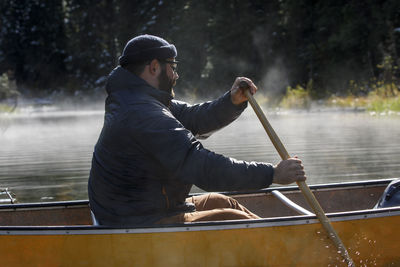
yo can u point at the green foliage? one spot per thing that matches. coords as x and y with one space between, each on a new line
5 108
297 97
349 101
384 98
384 105
8 94
8 89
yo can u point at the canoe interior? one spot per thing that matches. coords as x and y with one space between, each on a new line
332 199
342 197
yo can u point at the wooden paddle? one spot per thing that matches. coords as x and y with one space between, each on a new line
309 196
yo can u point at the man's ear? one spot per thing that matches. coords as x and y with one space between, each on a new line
154 67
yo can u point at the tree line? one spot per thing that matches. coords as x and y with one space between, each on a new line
72 45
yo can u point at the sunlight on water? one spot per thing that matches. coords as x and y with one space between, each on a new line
46 156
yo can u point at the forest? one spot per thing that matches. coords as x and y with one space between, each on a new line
317 48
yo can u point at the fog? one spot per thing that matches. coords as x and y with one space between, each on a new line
46 152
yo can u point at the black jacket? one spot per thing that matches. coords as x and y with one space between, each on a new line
147 156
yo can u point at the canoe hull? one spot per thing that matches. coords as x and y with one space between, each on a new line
371 238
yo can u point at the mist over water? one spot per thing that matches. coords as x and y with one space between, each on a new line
46 156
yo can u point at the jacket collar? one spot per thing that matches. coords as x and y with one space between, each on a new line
121 79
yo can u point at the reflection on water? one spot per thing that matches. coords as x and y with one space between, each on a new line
46 156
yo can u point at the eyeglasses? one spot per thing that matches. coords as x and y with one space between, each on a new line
173 64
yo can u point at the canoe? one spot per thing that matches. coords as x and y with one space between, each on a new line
63 233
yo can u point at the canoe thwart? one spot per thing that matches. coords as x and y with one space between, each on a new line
290 203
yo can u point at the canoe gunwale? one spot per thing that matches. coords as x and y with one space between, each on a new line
41 205
317 187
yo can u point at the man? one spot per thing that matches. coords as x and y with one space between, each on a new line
148 157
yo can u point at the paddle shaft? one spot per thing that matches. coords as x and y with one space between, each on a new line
309 196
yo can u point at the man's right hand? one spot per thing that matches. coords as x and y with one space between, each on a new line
289 171
237 93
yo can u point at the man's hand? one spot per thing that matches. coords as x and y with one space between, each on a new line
237 93
289 171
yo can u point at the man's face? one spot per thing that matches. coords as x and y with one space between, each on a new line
168 76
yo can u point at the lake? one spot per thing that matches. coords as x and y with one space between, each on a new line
45 154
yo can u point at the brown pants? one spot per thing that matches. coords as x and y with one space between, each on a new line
212 207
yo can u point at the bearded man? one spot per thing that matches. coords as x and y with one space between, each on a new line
148 155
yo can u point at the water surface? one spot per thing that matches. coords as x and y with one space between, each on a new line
45 156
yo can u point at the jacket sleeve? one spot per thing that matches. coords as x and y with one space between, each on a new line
181 156
204 119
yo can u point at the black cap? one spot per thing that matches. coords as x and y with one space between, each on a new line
146 47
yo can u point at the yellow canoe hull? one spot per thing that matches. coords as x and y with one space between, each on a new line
372 240
63 234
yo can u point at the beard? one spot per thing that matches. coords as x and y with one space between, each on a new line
165 83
